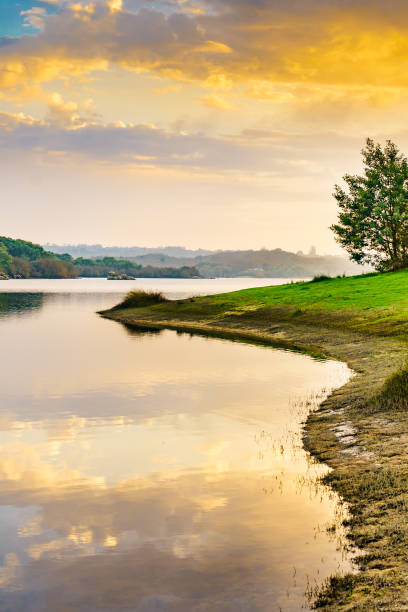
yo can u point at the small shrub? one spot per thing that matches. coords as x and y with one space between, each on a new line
140 298
320 278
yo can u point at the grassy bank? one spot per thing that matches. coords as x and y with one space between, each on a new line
361 430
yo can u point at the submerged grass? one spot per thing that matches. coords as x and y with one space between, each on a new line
361 430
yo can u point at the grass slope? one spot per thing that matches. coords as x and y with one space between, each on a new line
371 303
353 293
361 430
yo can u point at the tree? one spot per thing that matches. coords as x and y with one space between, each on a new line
24 249
373 219
20 268
5 259
52 268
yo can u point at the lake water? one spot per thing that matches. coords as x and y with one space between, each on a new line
173 287
155 472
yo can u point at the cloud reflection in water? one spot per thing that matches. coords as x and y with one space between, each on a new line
159 472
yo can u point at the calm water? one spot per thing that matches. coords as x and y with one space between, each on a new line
173 288
154 472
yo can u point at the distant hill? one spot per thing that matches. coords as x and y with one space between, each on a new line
262 263
274 263
98 251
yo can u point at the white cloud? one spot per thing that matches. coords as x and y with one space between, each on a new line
255 152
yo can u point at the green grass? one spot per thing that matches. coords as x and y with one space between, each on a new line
371 303
368 291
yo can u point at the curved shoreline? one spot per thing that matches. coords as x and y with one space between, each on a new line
359 444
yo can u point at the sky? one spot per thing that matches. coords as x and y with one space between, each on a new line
203 123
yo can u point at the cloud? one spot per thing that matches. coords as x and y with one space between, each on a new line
62 113
115 5
34 17
339 43
64 131
172 524
69 114
168 89
215 102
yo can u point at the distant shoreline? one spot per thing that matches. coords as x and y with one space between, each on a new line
356 431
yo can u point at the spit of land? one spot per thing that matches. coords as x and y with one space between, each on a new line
361 430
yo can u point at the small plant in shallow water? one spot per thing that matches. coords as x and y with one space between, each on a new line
334 588
140 298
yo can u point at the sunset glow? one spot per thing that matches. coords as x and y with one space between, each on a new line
213 123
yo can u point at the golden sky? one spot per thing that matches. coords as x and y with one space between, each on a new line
214 123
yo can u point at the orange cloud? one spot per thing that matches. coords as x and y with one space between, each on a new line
215 102
335 44
168 89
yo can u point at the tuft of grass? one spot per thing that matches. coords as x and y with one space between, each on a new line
333 592
140 299
322 277
393 396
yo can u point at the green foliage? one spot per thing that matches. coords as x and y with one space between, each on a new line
52 268
183 272
24 249
102 267
373 217
23 259
5 259
140 298
81 261
64 257
20 268
108 261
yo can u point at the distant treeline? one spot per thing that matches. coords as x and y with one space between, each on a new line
102 267
259 263
23 259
